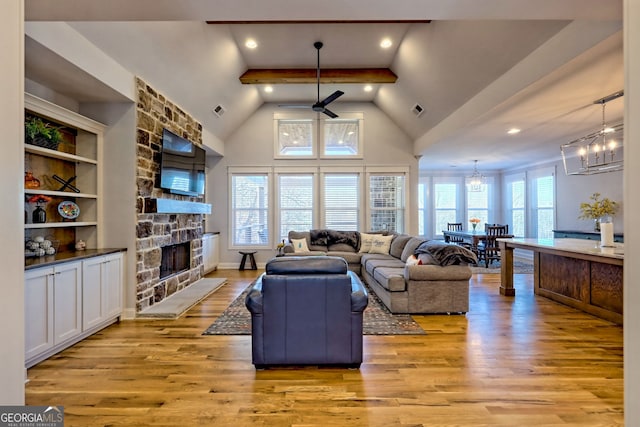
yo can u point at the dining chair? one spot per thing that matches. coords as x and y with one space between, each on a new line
456 226
488 250
497 225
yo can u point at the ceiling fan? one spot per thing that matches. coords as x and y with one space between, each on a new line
319 106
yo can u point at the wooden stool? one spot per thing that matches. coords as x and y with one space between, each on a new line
252 260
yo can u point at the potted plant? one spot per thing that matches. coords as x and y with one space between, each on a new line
40 133
597 209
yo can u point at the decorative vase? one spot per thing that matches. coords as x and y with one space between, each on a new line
30 181
39 215
473 224
596 225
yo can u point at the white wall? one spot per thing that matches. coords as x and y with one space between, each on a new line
252 145
119 202
573 190
12 372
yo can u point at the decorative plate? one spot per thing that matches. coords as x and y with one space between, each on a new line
68 209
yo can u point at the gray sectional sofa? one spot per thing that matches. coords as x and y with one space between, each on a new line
439 285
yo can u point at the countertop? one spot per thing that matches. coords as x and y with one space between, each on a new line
580 246
61 257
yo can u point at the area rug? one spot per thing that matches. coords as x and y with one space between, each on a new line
519 267
377 320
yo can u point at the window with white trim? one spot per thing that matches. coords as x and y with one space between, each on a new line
387 202
477 204
249 209
296 203
341 201
516 203
342 137
542 202
445 202
294 136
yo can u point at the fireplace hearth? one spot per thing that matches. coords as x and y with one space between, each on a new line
175 259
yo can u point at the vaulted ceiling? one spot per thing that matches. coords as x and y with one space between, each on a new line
476 67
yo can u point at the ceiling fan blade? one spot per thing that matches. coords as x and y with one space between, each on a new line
330 113
329 99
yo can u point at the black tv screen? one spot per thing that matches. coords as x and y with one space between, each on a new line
182 168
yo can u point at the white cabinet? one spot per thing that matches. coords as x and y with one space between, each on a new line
210 252
102 287
68 301
53 298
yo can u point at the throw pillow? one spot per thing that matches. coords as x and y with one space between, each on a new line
427 259
365 242
381 244
397 245
299 245
413 260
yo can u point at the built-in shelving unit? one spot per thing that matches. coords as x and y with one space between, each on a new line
76 161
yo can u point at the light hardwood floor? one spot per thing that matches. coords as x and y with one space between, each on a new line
520 361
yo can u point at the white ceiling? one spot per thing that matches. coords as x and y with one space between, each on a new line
477 68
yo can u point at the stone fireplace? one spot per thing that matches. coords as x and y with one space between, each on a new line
158 229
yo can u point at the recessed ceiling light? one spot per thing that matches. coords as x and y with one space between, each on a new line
251 44
386 43
513 131
368 88
268 89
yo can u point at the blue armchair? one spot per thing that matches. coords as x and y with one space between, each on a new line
307 311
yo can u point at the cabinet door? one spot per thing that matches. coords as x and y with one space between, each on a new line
112 285
92 303
38 292
67 301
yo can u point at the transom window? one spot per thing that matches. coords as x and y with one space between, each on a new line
296 136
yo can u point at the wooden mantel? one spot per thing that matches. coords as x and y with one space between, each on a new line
152 205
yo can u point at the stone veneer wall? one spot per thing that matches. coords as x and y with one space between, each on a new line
155 112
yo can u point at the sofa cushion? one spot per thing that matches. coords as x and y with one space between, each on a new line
397 245
437 272
410 248
341 247
381 244
371 264
350 257
391 278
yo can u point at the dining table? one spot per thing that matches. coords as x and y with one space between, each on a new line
473 237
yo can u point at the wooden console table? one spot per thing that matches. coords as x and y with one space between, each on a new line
575 272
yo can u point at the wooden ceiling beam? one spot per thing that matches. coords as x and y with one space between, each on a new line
308 75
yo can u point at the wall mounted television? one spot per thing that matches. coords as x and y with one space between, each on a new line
182 165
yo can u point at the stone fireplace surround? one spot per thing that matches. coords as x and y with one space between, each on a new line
156 230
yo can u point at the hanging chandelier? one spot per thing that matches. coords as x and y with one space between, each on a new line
598 152
476 180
